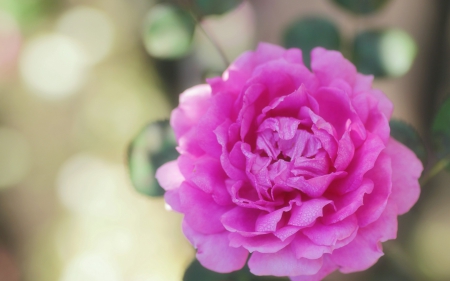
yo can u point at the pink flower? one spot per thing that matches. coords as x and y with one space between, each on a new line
293 167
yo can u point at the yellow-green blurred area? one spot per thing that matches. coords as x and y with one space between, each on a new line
80 78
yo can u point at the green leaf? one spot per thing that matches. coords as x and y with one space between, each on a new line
196 272
29 12
215 7
152 147
168 32
407 135
362 7
312 32
388 52
440 130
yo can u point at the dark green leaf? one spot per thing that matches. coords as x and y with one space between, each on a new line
312 32
215 7
389 52
362 7
196 272
168 32
152 147
407 135
441 130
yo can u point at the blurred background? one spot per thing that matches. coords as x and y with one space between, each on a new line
79 79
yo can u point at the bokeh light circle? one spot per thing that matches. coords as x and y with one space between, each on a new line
53 66
90 27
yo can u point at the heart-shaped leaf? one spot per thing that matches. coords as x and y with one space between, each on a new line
407 135
214 7
388 52
312 32
441 130
362 7
168 32
152 147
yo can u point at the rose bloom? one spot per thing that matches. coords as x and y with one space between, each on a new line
289 168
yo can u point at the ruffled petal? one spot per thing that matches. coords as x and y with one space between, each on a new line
328 235
194 103
201 212
282 263
305 248
327 268
406 169
308 212
169 175
331 65
208 249
376 201
366 249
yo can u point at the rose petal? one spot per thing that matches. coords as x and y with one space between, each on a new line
348 203
328 235
366 248
194 103
376 201
363 160
282 263
308 212
327 267
240 219
208 247
406 169
218 112
169 175
331 65
305 248
262 243
201 212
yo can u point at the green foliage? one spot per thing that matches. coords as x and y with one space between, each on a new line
407 135
389 52
168 32
312 32
29 12
152 147
196 272
215 7
362 7
441 130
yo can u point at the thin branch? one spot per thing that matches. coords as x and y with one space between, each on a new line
438 167
210 38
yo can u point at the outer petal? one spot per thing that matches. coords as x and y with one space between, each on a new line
365 249
213 251
201 212
266 243
169 175
194 102
406 169
331 65
305 248
327 267
282 263
218 112
376 201
329 235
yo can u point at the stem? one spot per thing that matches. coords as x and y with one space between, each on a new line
210 38
438 167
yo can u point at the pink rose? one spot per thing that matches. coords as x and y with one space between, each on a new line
293 167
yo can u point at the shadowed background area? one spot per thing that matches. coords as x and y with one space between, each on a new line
80 79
